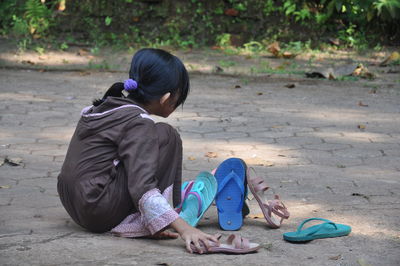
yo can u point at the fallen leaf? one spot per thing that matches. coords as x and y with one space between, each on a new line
191 158
211 154
361 126
219 69
290 85
6 186
237 86
136 19
42 70
288 55
392 57
360 103
363 72
255 216
28 62
372 91
13 161
335 257
231 12
259 93
274 49
82 52
84 73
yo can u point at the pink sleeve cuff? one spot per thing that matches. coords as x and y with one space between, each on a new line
162 221
156 211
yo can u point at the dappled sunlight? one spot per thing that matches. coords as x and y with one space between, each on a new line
56 58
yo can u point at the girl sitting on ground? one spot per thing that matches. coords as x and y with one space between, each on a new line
119 160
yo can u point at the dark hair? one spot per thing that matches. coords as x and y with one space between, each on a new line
156 72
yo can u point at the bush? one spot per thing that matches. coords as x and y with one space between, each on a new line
192 23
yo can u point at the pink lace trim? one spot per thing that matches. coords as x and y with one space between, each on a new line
148 222
162 221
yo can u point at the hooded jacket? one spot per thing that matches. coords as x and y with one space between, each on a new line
115 138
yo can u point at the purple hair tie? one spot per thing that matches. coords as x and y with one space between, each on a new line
130 85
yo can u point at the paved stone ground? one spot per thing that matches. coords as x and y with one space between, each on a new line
308 138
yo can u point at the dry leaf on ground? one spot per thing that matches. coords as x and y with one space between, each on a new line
290 85
361 126
274 49
191 158
211 154
255 216
335 257
390 59
5 186
13 161
360 103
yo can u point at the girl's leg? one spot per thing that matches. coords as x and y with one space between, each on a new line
170 160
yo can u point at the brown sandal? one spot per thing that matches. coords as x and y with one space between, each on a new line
257 187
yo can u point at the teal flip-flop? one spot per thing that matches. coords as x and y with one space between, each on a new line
324 230
199 198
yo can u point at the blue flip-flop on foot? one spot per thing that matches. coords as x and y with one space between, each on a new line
231 176
324 230
199 198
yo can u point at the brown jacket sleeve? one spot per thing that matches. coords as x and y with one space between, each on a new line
138 150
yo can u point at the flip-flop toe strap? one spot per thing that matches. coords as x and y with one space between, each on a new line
184 193
199 201
240 184
317 228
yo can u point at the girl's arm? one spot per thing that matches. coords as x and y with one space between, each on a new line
192 235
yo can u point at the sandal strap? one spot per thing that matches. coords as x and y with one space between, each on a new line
199 201
184 194
240 183
316 228
238 241
278 208
260 187
258 183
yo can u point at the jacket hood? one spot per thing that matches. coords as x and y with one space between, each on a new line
113 111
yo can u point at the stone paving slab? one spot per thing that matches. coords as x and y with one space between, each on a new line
315 157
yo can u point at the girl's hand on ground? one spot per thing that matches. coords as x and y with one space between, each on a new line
193 236
199 239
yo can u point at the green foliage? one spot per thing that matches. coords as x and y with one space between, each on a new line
38 17
238 26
